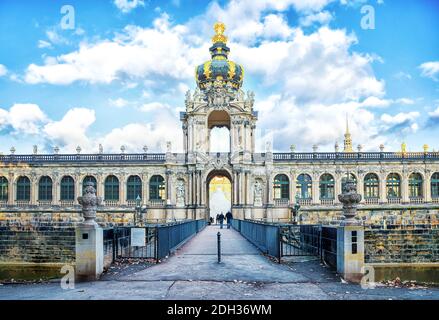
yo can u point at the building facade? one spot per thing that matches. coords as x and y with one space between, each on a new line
263 185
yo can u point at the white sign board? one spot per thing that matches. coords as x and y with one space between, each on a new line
138 237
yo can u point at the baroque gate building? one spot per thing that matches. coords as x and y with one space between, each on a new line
401 185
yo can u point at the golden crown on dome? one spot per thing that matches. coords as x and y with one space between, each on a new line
219 71
219 36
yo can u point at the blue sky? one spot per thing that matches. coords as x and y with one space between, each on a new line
120 76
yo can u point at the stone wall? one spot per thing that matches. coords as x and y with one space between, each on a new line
405 245
374 217
41 237
38 242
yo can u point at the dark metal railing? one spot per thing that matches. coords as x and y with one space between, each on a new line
282 239
328 245
264 236
160 239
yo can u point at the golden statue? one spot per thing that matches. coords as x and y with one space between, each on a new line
403 148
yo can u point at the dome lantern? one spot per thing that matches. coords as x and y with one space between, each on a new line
219 71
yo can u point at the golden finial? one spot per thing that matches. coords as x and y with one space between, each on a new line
403 148
219 36
425 146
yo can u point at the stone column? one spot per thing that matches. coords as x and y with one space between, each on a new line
337 181
293 190
122 190
56 191
315 190
405 188
350 236
89 262
145 189
34 191
78 187
427 187
11 189
382 186
360 186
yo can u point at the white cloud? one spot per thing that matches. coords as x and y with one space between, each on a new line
435 113
44 44
70 131
118 103
323 17
401 123
25 118
127 5
304 126
3 70
315 67
129 54
430 69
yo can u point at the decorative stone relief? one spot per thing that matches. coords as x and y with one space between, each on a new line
180 193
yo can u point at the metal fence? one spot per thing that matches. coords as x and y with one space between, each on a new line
282 240
160 239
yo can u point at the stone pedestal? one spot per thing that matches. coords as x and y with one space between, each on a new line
89 252
350 252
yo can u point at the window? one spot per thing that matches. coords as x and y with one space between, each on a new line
304 186
134 187
23 189
281 187
435 185
157 188
111 188
89 179
344 179
371 186
327 187
67 188
415 185
45 189
3 189
393 186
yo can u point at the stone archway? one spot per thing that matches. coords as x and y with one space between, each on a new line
218 125
219 192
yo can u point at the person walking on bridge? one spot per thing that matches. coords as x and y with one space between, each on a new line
221 220
229 218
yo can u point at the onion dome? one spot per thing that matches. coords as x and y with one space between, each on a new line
219 71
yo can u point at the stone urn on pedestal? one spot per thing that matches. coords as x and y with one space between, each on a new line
89 202
350 199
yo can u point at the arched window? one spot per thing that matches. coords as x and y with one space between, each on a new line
393 186
327 187
281 187
435 185
3 189
67 188
45 189
23 189
415 185
134 187
351 177
371 186
304 186
89 179
111 188
157 188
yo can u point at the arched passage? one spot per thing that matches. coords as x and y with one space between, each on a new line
219 192
218 124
